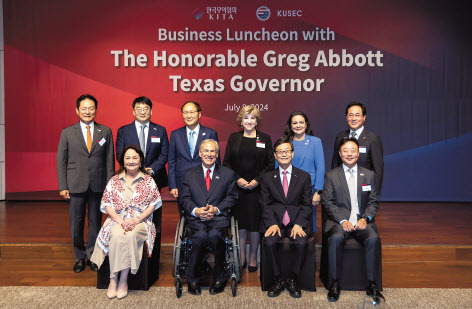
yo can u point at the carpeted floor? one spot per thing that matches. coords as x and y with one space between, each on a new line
248 297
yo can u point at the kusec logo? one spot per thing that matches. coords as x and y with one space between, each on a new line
263 13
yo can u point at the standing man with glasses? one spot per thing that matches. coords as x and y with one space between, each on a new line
85 163
184 145
150 137
370 144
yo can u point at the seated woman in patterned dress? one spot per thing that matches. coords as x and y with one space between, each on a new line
130 198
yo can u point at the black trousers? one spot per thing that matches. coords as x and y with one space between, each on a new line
203 233
336 240
78 204
298 245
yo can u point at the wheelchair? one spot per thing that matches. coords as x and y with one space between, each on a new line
183 245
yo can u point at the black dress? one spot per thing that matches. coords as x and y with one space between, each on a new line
249 158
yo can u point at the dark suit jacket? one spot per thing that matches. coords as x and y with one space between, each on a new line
265 160
180 159
77 170
297 203
337 201
156 152
222 194
372 159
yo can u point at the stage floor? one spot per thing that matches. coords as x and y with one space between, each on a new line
423 245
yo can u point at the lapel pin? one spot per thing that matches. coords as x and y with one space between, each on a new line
217 177
275 176
203 134
362 174
99 130
155 129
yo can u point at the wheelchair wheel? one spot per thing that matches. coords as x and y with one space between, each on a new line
178 287
177 243
234 286
236 253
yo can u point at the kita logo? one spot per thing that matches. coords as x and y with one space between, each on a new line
197 14
263 13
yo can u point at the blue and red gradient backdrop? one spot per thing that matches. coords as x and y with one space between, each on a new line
419 101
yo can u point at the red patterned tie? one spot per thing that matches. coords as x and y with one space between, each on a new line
286 218
208 180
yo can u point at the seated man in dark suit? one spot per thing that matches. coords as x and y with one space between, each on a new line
208 193
286 206
350 201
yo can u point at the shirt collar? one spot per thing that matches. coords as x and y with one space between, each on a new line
289 169
84 126
347 168
138 125
212 169
196 130
358 131
123 173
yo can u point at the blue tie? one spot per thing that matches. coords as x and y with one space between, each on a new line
191 143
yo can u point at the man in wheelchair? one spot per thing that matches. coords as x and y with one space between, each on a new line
287 212
208 194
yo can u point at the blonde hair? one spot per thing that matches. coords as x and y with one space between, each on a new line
249 109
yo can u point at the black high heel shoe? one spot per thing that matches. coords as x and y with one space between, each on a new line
252 268
245 264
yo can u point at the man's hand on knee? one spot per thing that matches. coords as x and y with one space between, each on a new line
297 231
272 230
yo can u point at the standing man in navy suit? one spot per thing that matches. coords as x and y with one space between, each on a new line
184 144
85 163
370 144
150 137
207 194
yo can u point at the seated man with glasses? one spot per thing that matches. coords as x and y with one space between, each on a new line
208 194
150 137
286 212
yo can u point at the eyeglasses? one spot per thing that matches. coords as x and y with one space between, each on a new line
189 113
142 110
283 152
354 115
90 109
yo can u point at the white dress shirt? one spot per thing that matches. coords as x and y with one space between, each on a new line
289 174
195 136
347 175
358 132
146 132
211 169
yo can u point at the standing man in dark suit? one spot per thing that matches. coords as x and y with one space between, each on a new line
350 201
184 142
370 144
287 212
85 163
208 193
150 137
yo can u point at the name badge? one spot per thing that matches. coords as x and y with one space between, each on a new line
362 149
366 188
155 139
102 141
260 144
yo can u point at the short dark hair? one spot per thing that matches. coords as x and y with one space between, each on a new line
281 141
354 103
121 159
288 129
142 100
349 139
85 97
199 109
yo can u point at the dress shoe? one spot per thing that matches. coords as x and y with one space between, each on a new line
79 266
334 291
277 288
111 294
293 288
217 287
122 292
373 291
252 268
244 264
194 288
93 266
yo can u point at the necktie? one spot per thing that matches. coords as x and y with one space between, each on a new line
142 141
208 180
286 218
191 143
353 194
354 134
89 139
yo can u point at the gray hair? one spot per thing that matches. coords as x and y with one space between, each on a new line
209 140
